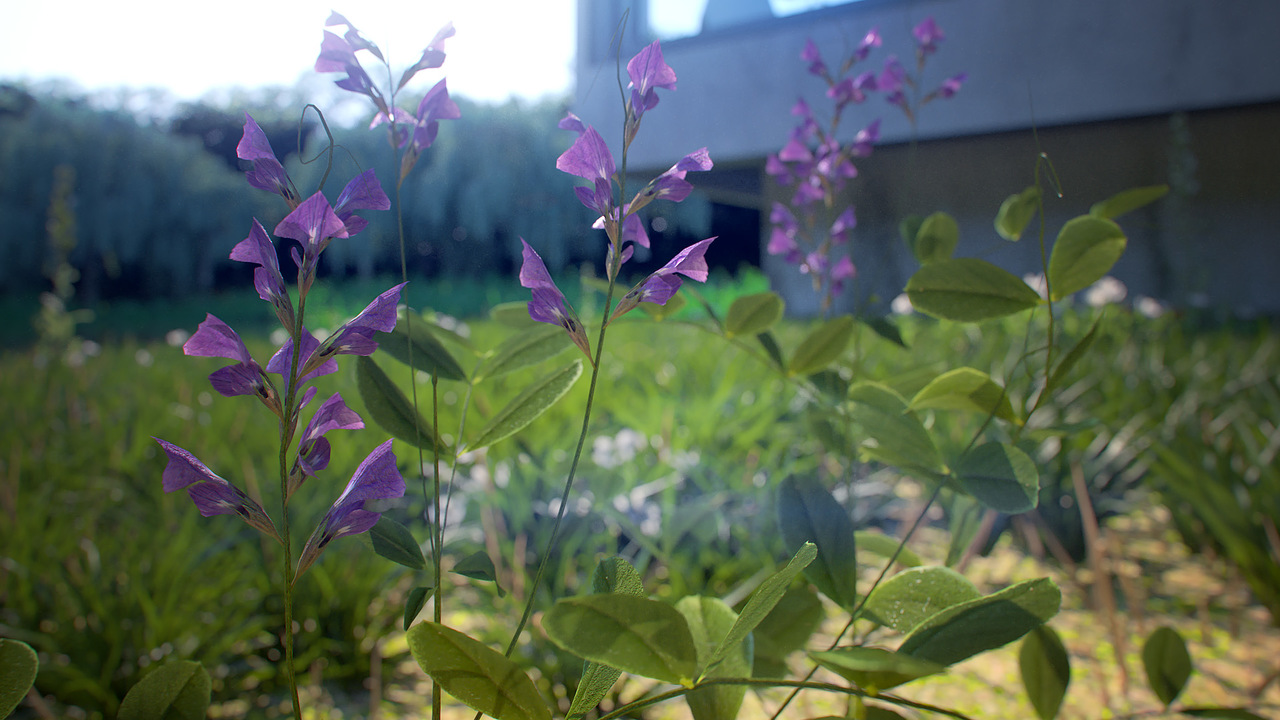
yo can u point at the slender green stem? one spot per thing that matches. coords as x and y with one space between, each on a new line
288 424
769 683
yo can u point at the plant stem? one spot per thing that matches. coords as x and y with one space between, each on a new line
288 424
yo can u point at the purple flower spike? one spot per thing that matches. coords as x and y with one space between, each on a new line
267 173
211 494
659 287
362 193
313 448
377 478
548 304
648 71
928 35
258 250
356 336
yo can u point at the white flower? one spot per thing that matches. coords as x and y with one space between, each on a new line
1106 291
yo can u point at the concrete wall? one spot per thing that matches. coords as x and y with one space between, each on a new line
1100 79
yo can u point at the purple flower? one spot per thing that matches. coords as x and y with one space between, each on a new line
267 173
432 56
572 122
214 338
872 39
377 478
211 494
852 89
283 358
362 193
671 184
313 448
257 249
811 55
648 71
338 54
589 158
928 35
951 85
355 337
843 226
892 80
843 270
313 224
865 139
660 286
548 303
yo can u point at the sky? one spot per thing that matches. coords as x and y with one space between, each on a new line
503 48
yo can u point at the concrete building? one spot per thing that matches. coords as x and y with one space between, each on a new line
1118 94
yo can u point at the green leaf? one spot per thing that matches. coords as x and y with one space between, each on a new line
530 347
612 575
1128 201
874 541
875 669
636 635
770 345
965 389
512 314
479 566
710 620
908 229
885 328
822 346
1016 212
661 312
964 518
1073 356
937 238
476 674
753 314
1086 249
415 601
528 405
892 434
18 666
1168 665
807 513
964 630
1001 477
912 596
390 409
394 542
790 624
762 602
177 690
1046 670
429 355
968 290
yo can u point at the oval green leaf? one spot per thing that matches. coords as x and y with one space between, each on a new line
18 666
528 405
892 434
968 290
1016 213
1001 477
807 513
479 566
1045 669
1073 356
753 314
636 635
1167 662
394 542
390 409
1086 249
822 346
612 575
530 347
965 389
178 690
415 601
964 630
476 674
788 627
937 238
710 621
912 596
1128 201
419 349
763 601
875 669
